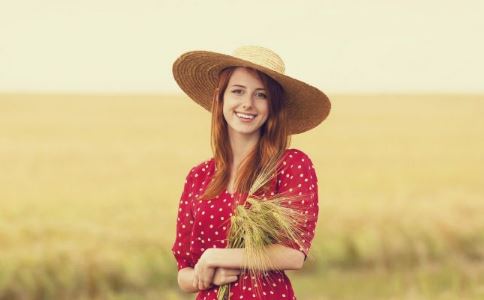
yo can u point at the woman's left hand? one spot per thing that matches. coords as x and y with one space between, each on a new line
204 271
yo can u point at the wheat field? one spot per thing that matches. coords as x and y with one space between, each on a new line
89 188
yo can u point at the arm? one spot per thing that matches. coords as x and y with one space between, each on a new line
281 258
180 248
221 276
185 279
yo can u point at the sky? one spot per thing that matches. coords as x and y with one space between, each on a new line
338 46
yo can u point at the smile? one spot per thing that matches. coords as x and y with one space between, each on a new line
245 116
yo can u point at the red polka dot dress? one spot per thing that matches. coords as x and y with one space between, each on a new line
205 224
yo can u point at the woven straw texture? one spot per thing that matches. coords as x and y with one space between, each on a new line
196 72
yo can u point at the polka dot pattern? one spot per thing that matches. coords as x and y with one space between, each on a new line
205 224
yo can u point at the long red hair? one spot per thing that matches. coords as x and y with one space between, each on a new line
274 138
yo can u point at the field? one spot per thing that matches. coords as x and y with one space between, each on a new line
89 188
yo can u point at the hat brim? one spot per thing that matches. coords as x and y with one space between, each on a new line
196 72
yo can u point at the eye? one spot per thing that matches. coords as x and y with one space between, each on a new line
237 91
261 95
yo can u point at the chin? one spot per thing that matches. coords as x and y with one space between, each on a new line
242 131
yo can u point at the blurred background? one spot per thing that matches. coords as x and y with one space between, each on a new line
96 140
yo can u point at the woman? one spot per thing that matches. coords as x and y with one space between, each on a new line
255 108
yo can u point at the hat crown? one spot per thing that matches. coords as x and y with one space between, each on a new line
261 56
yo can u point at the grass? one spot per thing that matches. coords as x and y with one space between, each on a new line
90 185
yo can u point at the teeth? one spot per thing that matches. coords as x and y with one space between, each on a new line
245 116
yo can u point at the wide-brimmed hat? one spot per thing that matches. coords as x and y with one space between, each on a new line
196 72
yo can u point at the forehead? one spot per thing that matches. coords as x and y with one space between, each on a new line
246 77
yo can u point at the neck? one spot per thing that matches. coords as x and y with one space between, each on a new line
241 145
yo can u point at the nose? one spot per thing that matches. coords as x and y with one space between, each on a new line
248 98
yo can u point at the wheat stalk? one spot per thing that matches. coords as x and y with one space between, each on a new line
259 223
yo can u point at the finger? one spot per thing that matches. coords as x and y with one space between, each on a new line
206 277
195 281
231 272
217 277
223 271
195 277
205 284
201 285
228 279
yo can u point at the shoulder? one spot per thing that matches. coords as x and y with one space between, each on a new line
297 164
296 156
201 170
197 177
297 172
201 167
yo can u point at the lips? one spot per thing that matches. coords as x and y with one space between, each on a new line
245 116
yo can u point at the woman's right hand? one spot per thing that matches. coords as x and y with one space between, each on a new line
224 275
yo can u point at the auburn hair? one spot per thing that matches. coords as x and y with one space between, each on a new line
274 138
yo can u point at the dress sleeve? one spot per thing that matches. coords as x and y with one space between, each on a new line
297 177
184 224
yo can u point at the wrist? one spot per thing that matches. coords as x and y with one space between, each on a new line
210 257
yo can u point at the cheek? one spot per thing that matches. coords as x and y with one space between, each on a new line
266 113
227 108
264 108
226 113
227 103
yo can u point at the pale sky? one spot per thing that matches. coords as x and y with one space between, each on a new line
338 46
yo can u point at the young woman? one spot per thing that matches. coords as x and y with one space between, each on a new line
255 108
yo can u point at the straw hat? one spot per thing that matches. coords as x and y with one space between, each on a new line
196 72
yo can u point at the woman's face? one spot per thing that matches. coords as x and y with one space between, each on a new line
245 102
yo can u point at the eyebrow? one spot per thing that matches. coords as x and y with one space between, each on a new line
243 86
